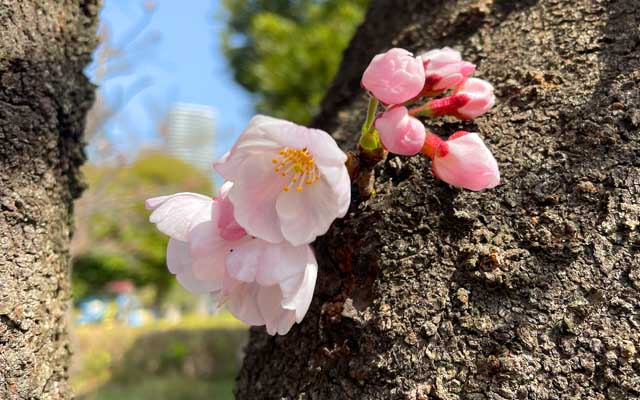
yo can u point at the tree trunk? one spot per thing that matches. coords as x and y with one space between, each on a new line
44 97
527 291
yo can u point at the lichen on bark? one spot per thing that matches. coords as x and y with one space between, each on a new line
44 96
527 291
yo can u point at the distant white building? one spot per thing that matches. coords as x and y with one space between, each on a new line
191 134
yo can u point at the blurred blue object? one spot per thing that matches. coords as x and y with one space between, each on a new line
129 309
92 311
126 302
135 318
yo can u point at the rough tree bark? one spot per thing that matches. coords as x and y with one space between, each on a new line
44 95
528 291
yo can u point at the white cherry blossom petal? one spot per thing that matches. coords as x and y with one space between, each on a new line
308 214
280 262
284 324
298 293
243 304
325 150
175 214
243 262
337 177
266 263
179 263
277 319
254 195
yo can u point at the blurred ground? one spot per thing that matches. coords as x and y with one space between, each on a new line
196 358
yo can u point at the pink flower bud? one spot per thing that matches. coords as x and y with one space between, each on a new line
480 95
444 69
463 161
400 133
471 99
394 77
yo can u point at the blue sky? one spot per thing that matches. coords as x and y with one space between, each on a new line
177 57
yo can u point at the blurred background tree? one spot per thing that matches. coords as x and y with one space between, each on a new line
113 239
286 52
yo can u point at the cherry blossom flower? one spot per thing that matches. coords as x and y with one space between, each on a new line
290 182
471 99
400 132
261 283
444 69
394 77
463 160
270 284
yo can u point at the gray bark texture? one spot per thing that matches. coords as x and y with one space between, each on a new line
44 96
527 291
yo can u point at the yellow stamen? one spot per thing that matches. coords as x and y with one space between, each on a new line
300 163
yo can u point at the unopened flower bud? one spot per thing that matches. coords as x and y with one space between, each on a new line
471 99
463 160
394 77
444 69
400 133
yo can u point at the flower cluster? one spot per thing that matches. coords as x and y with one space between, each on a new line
398 79
285 184
249 248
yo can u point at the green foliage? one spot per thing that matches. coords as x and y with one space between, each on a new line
114 236
287 51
